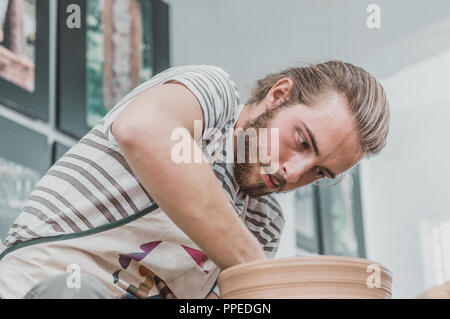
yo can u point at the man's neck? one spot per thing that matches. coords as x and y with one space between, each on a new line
249 112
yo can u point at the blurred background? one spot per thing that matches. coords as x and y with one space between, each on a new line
64 63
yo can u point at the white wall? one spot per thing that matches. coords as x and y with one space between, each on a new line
406 188
251 38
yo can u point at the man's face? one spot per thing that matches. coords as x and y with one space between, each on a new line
314 142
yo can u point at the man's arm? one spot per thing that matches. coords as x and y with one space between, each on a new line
188 193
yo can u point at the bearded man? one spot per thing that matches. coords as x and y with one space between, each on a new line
119 210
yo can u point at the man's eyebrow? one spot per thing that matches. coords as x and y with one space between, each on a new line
316 150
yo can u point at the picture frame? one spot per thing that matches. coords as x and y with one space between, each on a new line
74 96
21 167
58 151
34 100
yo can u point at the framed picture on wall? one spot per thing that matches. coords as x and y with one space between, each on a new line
119 45
24 56
58 151
21 166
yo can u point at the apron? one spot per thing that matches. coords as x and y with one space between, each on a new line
144 255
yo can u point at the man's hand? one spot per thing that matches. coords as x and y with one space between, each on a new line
212 295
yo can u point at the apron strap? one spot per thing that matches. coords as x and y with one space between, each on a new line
244 210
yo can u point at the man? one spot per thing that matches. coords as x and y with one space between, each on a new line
121 207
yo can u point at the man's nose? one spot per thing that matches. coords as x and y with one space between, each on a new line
295 168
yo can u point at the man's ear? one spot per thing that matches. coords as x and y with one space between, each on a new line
279 93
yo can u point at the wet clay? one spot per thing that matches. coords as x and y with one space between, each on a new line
320 277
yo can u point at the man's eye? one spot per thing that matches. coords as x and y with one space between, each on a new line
302 141
320 172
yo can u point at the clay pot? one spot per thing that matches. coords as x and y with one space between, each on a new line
307 277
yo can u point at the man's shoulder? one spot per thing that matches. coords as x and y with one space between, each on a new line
212 69
204 76
185 67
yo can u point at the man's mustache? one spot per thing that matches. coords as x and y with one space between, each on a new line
276 177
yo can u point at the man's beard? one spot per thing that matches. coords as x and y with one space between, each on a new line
244 172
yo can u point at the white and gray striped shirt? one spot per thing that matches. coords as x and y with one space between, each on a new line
92 184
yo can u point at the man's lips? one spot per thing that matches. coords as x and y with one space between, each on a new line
269 182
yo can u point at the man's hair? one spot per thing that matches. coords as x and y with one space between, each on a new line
365 96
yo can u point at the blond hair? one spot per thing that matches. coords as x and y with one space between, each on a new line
365 96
